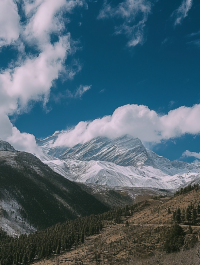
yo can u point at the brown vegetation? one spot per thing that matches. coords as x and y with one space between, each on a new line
139 239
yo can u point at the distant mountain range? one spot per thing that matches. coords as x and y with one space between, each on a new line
123 162
32 196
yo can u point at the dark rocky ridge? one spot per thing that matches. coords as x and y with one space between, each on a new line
44 197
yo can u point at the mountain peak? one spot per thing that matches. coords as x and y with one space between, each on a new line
5 146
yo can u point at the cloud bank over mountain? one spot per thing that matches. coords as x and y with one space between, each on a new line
137 121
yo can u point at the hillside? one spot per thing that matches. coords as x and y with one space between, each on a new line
141 241
135 234
32 196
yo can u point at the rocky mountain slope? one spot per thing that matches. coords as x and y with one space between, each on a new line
32 196
123 162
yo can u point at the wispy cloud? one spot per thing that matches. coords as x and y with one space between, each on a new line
81 90
138 121
194 34
134 13
195 40
171 103
102 90
182 12
191 154
69 94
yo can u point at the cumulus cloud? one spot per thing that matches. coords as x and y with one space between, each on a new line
24 141
137 121
21 141
191 154
31 77
182 12
134 13
34 77
9 22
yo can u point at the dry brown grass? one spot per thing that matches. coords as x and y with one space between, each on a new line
141 242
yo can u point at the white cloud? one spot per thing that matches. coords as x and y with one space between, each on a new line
138 121
45 17
24 141
5 127
81 90
191 154
31 77
34 77
130 11
9 22
21 141
182 11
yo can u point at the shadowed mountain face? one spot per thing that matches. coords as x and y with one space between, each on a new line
32 196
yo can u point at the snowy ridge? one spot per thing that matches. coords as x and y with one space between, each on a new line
125 151
123 162
112 175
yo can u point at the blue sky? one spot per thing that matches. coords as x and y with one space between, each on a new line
70 65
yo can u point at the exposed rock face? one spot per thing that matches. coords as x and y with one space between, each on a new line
5 146
33 196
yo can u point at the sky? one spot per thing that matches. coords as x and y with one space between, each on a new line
94 68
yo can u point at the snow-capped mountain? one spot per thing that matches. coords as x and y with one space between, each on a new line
123 161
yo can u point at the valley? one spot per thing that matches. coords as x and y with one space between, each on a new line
137 237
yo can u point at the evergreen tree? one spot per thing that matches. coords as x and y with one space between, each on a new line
174 239
178 216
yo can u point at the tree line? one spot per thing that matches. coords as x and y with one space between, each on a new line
58 238
187 189
189 216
